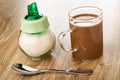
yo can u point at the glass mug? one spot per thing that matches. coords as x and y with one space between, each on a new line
86 33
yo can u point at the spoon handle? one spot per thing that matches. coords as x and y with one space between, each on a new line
82 71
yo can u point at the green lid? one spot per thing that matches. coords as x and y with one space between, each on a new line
33 13
33 22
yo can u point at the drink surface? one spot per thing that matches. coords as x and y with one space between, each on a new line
87 36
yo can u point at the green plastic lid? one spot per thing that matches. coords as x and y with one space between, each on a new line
33 22
33 13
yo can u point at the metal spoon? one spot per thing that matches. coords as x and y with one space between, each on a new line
26 70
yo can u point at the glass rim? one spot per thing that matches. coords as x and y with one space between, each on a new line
100 15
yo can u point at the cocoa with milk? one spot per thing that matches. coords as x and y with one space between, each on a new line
87 37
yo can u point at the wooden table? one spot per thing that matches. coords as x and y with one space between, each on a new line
105 68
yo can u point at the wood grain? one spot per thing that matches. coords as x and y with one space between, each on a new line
105 68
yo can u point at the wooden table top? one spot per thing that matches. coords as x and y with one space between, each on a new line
105 68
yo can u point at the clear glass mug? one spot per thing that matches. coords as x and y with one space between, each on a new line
86 33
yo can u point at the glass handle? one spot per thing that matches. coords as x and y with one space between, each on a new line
61 36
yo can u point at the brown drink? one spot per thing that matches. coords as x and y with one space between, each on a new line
86 33
86 37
